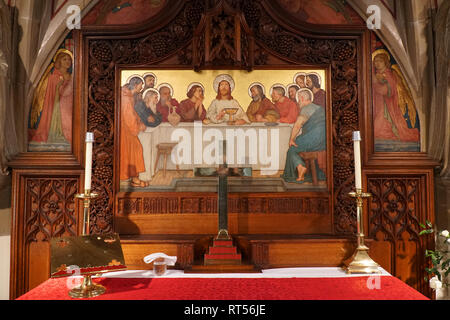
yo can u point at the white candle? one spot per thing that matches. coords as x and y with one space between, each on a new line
88 164
357 152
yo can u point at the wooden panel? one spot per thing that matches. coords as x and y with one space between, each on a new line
134 253
135 248
206 223
399 203
44 207
38 269
309 253
129 203
382 253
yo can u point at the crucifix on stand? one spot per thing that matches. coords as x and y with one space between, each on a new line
222 203
222 252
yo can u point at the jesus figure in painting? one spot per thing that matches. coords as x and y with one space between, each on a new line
224 85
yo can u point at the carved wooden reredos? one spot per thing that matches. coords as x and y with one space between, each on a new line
223 34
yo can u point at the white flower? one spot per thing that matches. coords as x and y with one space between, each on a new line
445 233
435 283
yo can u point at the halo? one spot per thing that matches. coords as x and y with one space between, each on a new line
299 74
59 51
254 84
135 76
318 77
150 74
165 84
278 85
151 89
195 84
376 52
304 89
222 77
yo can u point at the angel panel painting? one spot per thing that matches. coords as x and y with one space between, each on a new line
50 123
395 116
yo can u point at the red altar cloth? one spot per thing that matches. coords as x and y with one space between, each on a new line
347 288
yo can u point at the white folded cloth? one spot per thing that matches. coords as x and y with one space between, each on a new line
169 260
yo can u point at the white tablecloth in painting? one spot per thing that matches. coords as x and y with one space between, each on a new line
267 145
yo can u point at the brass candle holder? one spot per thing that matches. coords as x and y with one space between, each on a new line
361 261
86 197
87 289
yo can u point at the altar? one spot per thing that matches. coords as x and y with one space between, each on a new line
270 284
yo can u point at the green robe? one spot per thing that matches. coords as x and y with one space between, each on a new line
313 138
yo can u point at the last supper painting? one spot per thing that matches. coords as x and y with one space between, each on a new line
269 127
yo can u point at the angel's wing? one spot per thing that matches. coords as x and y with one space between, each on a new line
38 98
405 99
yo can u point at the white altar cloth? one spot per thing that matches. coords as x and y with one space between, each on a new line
319 272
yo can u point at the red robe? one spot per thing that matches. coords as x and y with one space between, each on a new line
66 106
320 98
288 110
164 110
41 133
188 113
389 123
131 154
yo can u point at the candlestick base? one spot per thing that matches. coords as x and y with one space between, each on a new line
87 289
362 263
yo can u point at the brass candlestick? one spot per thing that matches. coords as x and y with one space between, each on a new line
86 197
87 289
361 261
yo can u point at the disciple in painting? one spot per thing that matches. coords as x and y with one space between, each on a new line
224 85
292 91
261 109
287 108
313 83
149 82
392 102
51 112
300 79
146 108
167 105
192 109
131 155
311 122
